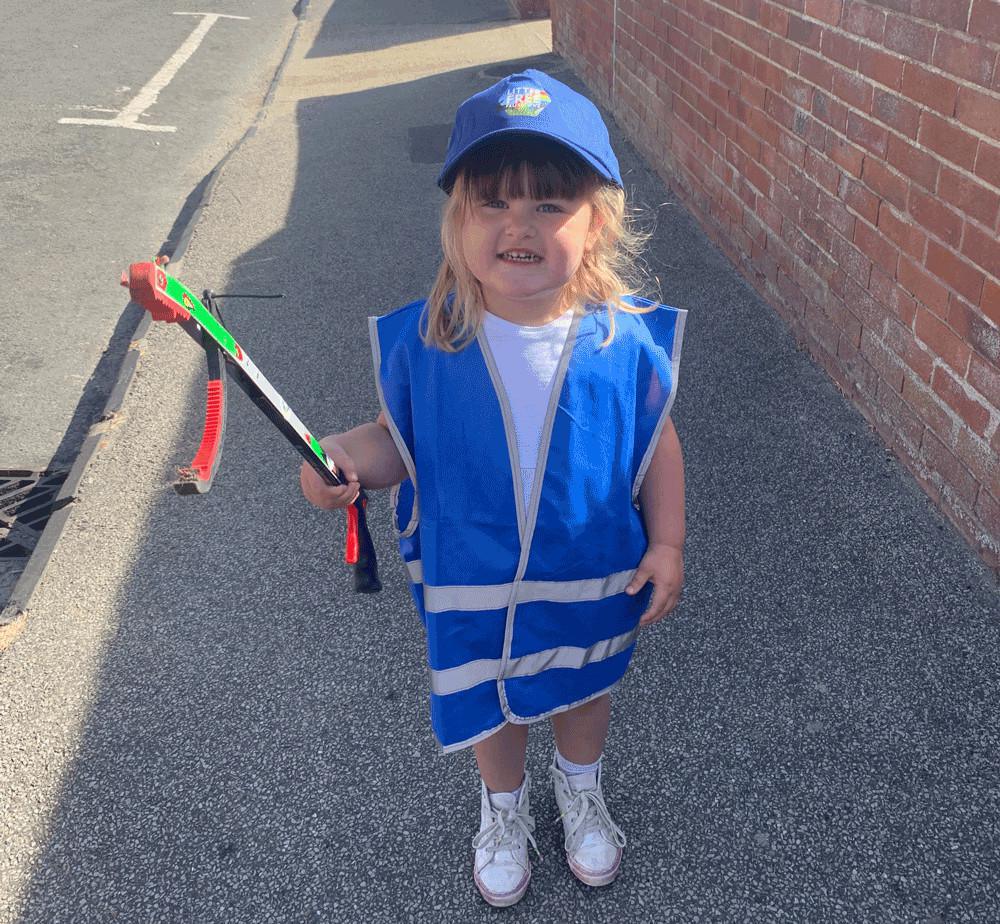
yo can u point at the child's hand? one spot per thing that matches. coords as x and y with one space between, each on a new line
664 566
326 496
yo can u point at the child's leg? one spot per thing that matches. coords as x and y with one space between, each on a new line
593 841
501 867
580 732
501 758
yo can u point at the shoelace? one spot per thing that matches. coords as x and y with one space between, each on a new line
502 834
591 813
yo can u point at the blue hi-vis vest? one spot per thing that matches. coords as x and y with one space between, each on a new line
524 606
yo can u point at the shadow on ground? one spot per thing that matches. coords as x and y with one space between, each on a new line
361 25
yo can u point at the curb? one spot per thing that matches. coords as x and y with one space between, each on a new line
15 611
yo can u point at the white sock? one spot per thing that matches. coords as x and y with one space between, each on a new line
515 795
571 769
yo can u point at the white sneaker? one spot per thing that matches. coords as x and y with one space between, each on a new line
502 869
593 841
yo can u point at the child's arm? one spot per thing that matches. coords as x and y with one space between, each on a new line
366 455
661 498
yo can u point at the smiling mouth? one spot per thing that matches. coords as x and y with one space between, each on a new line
519 256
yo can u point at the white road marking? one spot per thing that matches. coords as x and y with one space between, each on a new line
146 97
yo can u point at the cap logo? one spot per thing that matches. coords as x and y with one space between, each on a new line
524 100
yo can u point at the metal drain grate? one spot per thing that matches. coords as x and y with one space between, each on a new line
27 500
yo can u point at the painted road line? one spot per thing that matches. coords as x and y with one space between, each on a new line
146 97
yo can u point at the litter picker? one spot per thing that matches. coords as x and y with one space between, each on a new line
168 299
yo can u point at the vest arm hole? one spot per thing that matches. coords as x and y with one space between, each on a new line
385 420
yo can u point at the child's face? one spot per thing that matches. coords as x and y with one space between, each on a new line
523 251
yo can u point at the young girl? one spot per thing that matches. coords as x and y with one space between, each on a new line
540 498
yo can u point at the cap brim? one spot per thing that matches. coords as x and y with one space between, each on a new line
446 177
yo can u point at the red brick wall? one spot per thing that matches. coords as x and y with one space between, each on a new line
845 154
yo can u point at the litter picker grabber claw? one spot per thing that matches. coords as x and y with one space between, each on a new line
168 299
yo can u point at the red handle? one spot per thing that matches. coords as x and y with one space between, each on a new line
351 546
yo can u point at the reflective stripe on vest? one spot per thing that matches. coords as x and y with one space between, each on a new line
456 679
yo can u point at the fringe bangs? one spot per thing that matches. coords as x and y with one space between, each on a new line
526 167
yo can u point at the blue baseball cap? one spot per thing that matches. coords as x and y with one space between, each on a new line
531 103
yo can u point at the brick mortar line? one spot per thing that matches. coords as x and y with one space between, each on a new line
769 232
912 141
867 43
971 393
965 217
927 391
918 453
939 27
861 38
937 362
974 529
957 422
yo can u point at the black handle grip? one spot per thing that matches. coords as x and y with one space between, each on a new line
366 580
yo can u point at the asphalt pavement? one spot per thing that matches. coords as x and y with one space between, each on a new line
200 722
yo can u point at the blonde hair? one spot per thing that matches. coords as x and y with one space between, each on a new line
535 168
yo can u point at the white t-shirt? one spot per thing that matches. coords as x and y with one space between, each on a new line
527 358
